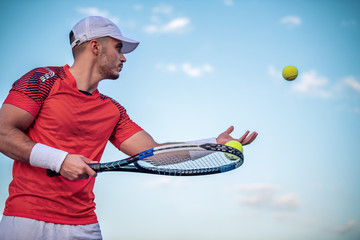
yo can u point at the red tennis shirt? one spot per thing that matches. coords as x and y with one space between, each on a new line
71 121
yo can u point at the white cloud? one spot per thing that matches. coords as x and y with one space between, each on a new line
352 83
350 225
151 29
287 201
267 196
158 182
186 68
228 2
171 67
195 71
269 200
310 83
255 200
166 181
273 72
138 7
258 187
177 25
291 21
163 21
313 84
92 11
163 9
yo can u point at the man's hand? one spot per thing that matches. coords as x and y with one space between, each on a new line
76 167
246 139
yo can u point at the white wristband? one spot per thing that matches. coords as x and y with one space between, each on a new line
198 154
47 157
208 140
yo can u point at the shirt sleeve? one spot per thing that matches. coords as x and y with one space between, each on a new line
124 129
30 91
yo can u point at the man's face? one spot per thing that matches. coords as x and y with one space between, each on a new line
111 59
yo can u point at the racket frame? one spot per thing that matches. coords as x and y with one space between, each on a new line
130 164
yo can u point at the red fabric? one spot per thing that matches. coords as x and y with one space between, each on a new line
71 121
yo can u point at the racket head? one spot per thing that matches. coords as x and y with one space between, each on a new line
190 160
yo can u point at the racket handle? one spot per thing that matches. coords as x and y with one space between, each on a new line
52 173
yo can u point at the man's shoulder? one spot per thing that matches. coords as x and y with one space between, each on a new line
45 73
113 101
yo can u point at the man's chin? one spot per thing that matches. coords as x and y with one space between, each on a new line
114 76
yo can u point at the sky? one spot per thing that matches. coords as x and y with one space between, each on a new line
201 67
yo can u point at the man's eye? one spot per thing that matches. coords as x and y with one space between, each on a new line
119 48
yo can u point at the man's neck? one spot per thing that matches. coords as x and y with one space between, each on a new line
85 77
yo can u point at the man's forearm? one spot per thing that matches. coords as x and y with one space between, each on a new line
15 144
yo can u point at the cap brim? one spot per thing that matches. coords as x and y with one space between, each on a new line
129 45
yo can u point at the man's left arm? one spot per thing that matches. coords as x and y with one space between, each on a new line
142 141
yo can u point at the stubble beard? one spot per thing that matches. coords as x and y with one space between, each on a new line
106 68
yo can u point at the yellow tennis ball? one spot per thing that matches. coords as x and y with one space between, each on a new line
234 144
290 73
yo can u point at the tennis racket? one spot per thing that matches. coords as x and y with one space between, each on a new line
176 160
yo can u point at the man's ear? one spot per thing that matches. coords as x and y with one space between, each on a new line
95 46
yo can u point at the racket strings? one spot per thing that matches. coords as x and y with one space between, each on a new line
184 162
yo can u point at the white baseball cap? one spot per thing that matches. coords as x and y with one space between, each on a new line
96 27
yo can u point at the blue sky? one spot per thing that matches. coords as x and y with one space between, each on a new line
202 66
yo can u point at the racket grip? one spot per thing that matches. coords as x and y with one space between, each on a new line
52 173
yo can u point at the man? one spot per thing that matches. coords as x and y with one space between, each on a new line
55 118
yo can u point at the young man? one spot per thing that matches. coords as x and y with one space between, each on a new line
55 118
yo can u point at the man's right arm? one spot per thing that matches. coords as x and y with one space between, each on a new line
15 144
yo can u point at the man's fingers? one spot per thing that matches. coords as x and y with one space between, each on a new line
87 173
249 139
88 161
244 136
229 130
90 172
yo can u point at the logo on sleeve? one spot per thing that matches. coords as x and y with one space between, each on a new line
48 75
